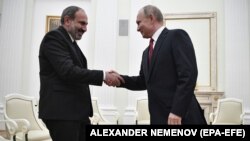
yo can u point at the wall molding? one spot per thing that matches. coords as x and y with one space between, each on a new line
110 113
129 116
246 119
2 126
205 43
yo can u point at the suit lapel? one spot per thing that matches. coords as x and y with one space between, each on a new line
80 58
157 47
145 64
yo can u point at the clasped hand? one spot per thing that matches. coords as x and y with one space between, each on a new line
112 78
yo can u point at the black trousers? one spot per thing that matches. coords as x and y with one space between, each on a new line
67 130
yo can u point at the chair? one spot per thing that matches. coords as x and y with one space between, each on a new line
12 130
23 110
229 111
142 112
98 117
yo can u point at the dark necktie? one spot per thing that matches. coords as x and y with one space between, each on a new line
150 52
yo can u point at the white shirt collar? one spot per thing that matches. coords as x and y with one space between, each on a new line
71 38
157 33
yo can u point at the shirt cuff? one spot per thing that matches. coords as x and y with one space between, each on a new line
104 75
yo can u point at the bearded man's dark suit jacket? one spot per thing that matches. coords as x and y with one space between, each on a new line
65 79
170 79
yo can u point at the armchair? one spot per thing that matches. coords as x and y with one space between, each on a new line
229 111
23 110
98 117
142 112
12 130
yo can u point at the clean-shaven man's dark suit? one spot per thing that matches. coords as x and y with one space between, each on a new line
65 79
170 79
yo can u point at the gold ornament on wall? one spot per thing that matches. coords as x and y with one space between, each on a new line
52 22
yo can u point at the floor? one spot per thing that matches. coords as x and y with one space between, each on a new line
3 133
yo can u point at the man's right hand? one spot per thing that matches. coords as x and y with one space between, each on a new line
112 78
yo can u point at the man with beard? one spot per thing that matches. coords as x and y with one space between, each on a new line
65 101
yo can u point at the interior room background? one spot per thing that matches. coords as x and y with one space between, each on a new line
112 42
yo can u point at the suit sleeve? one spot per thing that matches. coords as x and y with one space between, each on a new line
57 59
186 67
135 82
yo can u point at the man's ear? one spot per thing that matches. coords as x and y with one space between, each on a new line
67 20
151 17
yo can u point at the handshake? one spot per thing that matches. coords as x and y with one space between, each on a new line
112 78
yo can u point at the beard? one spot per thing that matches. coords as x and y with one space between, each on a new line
76 34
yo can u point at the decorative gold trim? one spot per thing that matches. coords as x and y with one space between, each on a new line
52 22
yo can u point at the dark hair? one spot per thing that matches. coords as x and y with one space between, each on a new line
150 9
69 11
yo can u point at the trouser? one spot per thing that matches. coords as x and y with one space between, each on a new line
67 130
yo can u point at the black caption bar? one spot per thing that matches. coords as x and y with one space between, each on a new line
204 132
